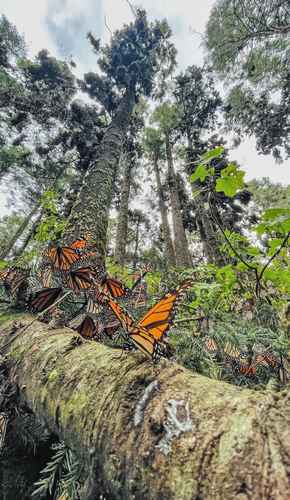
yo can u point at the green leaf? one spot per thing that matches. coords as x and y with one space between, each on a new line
210 155
276 213
200 173
231 180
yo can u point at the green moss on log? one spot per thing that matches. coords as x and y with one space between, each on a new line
146 431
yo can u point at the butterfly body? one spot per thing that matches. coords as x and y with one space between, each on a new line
148 333
80 279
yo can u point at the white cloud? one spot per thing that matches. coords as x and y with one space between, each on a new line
29 18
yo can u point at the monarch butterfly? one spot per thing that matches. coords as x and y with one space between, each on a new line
80 279
139 295
248 370
93 307
115 287
268 359
13 279
3 428
3 274
63 257
231 351
148 333
44 298
87 327
211 345
45 275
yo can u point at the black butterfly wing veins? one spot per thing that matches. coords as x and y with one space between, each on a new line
87 328
44 299
148 333
80 280
159 318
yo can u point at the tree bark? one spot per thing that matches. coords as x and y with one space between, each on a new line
19 251
144 431
136 246
206 227
122 226
91 209
183 258
7 249
169 249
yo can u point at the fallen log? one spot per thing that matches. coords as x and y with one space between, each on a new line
146 432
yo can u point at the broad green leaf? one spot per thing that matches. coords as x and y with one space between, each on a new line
231 180
201 173
254 251
210 155
275 213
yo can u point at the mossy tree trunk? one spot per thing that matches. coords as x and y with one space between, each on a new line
90 211
169 249
122 225
183 258
144 431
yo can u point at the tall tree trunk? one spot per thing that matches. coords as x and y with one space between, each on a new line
10 244
91 209
136 247
32 231
72 194
183 258
151 432
122 226
169 249
209 234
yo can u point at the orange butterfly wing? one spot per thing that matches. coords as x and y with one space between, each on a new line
139 336
148 332
83 242
80 279
159 318
115 288
125 319
62 258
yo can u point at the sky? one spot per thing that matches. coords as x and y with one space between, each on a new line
61 27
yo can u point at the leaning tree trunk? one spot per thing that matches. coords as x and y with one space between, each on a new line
91 209
169 249
122 226
31 233
10 244
183 258
144 431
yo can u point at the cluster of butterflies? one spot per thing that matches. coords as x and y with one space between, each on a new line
247 362
73 272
